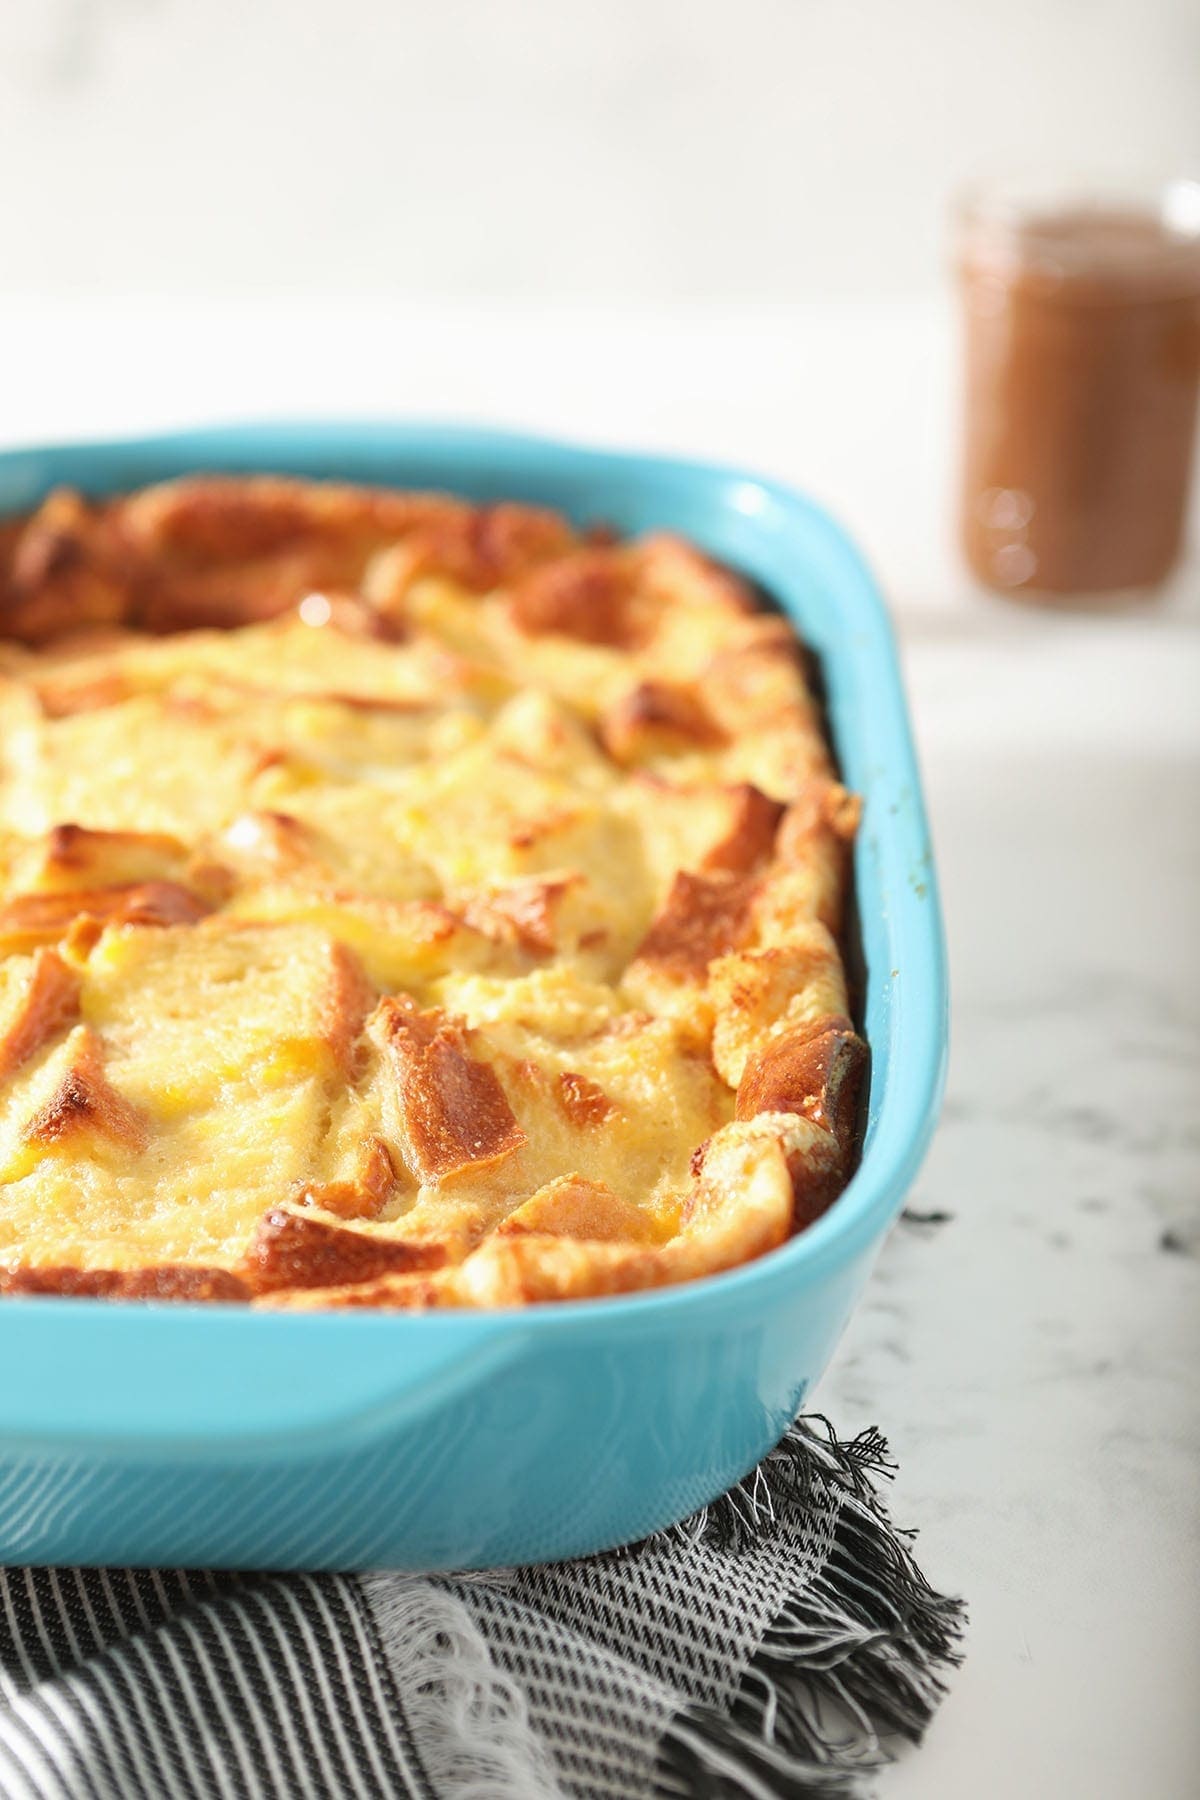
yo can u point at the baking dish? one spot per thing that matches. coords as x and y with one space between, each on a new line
212 1435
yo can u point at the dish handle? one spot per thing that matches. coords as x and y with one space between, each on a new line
215 1379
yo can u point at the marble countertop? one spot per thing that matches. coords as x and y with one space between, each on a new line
1032 1357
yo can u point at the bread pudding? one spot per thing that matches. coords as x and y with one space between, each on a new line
405 903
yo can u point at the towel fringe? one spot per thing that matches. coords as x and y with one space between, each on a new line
856 1657
468 1718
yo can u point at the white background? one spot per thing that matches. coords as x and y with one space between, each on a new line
582 149
721 230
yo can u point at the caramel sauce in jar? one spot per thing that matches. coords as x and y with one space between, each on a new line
1082 339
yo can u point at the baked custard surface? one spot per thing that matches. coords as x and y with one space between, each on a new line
405 903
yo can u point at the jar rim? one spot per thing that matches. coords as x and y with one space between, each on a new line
1115 235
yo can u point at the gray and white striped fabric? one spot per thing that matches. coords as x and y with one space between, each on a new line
777 1644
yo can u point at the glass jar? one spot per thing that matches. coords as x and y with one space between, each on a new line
1082 339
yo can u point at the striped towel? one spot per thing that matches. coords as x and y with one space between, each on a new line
782 1642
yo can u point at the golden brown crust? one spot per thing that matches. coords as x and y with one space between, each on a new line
816 1071
347 999
798 983
362 1195
31 919
295 1250
583 1100
84 1104
456 1114
754 820
574 1207
165 1281
59 698
684 576
223 551
587 595
405 903
657 718
523 909
72 857
46 1005
65 572
705 916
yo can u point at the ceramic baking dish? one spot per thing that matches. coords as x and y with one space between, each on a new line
212 1435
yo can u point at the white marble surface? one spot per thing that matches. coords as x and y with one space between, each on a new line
1033 1359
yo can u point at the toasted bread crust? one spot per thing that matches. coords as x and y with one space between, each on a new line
46 1002
456 1114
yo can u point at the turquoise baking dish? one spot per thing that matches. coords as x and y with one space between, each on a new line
214 1436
